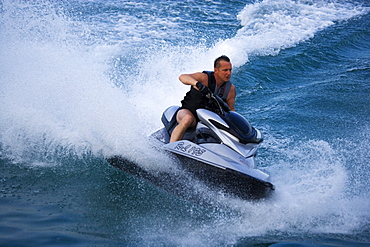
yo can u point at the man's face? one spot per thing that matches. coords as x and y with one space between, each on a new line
223 73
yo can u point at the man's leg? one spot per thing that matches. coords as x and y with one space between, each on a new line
185 120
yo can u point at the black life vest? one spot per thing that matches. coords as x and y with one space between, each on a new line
194 99
223 91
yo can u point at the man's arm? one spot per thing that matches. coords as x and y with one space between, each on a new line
192 79
231 98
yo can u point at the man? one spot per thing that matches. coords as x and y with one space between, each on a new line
201 83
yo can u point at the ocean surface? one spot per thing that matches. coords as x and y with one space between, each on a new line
81 80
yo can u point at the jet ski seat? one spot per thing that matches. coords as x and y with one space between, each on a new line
190 133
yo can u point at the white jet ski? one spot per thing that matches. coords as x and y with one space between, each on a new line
220 151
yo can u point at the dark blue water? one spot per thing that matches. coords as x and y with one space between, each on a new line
82 80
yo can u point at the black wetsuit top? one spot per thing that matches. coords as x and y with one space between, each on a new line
194 99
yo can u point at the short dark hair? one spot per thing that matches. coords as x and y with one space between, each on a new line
219 59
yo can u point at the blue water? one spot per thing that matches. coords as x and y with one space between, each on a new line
82 80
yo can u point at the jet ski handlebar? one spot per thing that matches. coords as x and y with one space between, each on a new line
218 104
221 104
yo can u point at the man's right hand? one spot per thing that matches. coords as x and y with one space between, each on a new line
203 89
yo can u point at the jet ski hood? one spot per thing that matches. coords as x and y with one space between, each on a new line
240 128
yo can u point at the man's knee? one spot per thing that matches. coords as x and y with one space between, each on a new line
186 119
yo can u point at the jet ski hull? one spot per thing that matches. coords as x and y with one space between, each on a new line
229 181
181 184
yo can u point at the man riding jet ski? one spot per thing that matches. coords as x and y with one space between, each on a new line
216 82
207 130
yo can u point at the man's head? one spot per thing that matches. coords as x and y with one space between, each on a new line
222 69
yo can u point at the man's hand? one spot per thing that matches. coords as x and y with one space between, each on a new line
203 89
